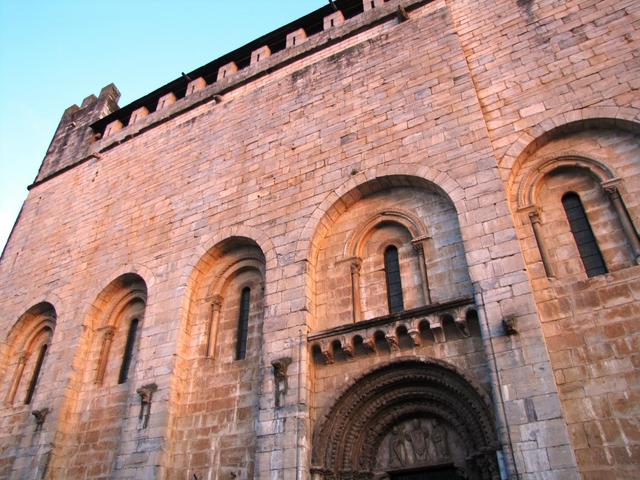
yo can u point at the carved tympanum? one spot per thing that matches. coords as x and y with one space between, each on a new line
410 415
417 442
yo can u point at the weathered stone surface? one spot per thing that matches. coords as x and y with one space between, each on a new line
450 130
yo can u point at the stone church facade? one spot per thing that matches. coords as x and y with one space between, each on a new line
393 239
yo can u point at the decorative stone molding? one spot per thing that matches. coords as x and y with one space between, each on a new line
437 417
348 340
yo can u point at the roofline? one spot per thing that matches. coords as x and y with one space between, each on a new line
311 23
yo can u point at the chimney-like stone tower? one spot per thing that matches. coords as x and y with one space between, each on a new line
73 137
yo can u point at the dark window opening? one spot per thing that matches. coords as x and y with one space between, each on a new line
128 351
36 374
243 324
394 283
442 473
583 235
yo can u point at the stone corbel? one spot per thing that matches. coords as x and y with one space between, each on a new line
435 324
347 348
460 319
392 340
281 382
612 189
414 333
326 352
509 325
146 396
40 416
369 343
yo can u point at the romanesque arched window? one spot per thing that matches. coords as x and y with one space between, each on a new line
583 235
394 282
128 351
243 324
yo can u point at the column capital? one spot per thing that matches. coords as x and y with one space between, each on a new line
215 301
355 263
612 187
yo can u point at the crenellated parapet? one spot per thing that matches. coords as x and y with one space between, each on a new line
302 37
88 130
74 135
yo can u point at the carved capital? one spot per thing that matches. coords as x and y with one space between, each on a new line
534 217
108 333
355 265
612 187
24 356
216 302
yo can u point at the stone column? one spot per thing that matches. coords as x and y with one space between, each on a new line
214 320
611 188
107 339
534 217
418 245
356 264
22 361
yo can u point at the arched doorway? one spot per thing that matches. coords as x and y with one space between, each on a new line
409 420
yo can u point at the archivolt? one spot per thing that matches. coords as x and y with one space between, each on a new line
528 188
347 442
412 223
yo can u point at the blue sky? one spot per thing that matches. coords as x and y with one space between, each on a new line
54 53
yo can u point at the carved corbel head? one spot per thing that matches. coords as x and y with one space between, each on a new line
280 367
40 416
509 324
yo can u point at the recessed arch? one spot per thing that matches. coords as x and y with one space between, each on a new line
539 135
529 186
348 442
365 183
415 226
27 341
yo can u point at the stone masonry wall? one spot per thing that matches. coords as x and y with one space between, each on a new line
455 100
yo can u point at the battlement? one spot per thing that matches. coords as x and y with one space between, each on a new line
74 135
252 56
100 118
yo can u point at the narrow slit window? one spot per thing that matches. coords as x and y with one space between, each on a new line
394 283
128 351
36 374
583 235
243 324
